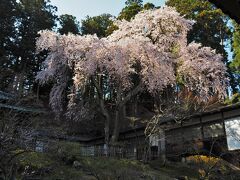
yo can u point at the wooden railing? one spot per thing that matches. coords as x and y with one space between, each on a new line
139 153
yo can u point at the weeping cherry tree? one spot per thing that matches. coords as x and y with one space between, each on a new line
149 53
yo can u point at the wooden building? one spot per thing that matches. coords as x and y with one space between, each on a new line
215 133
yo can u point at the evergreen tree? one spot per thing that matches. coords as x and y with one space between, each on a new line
35 15
132 8
8 13
210 28
68 24
235 64
130 11
236 48
148 6
130 2
97 25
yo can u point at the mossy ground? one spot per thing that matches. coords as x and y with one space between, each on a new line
65 163
47 166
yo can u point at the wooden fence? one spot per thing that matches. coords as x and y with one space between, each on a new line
139 153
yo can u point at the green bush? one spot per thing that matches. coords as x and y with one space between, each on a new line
65 151
234 99
35 160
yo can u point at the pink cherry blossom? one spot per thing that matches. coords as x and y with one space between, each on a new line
153 47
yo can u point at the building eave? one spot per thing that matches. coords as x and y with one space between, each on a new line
229 7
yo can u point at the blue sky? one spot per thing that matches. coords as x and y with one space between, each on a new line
82 8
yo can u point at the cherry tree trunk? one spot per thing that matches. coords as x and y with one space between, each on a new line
119 117
107 125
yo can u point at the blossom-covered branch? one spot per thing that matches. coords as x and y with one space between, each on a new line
150 52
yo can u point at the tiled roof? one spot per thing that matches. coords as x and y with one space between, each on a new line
22 109
8 105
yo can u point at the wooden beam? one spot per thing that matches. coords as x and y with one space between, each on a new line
23 109
224 129
202 132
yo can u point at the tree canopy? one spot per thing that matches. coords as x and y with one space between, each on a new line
132 8
21 23
235 64
69 24
211 28
9 11
97 25
149 53
130 2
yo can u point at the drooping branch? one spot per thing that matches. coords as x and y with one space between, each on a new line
131 93
144 48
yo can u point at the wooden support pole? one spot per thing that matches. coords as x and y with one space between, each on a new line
202 132
224 129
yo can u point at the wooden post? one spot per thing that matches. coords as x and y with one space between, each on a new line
224 130
161 145
223 123
202 132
